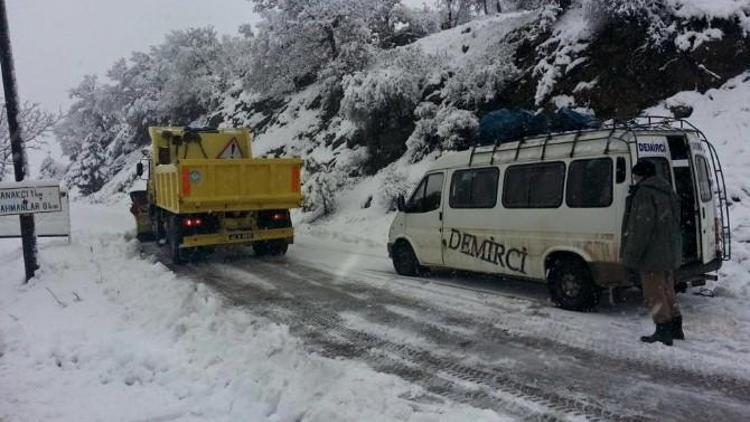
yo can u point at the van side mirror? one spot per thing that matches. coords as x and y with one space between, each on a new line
401 203
139 169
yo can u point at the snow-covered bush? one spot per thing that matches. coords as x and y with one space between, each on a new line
441 127
381 101
395 183
481 79
320 193
395 85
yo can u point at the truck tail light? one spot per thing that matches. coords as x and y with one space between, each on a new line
191 222
274 219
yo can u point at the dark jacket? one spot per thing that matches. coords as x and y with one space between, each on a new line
651 237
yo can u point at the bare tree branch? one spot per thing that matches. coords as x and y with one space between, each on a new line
35 122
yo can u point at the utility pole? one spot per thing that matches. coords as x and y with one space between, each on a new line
20 161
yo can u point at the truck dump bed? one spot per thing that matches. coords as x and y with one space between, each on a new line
214 171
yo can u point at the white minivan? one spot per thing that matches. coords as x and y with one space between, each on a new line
550 208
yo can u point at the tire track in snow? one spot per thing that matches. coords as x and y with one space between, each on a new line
316 297
313 314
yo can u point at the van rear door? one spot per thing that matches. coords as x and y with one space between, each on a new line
672 158
705 198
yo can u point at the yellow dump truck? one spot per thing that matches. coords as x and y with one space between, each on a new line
205 189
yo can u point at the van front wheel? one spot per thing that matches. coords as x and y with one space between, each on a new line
571 286
404 260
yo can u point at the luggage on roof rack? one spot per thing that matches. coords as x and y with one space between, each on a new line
507 125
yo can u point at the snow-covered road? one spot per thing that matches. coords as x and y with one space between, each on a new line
330 332
488 343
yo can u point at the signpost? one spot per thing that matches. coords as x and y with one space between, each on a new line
19 199
16 140
44 198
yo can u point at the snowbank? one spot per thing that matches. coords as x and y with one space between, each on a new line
104 334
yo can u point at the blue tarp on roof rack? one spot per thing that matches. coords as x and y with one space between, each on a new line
506 125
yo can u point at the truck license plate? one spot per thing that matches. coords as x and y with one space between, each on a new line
241 236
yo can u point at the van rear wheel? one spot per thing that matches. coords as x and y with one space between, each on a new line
404 260
571 286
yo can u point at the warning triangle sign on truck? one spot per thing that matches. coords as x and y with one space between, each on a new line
231 151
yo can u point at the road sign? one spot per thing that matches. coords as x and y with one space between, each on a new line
29 198
231 151
51 224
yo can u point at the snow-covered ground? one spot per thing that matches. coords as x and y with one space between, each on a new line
104 334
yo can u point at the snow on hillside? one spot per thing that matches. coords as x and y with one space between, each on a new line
468 41
713 9
104 334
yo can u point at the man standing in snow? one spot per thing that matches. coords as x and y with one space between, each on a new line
652 245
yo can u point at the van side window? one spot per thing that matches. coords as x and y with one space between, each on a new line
433 192
426 196
589 183
704 182
534 186
474 188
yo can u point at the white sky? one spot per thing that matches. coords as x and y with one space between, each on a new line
56 42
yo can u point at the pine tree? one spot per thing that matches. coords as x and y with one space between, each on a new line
51 169
87 173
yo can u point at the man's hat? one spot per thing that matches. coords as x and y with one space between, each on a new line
644 168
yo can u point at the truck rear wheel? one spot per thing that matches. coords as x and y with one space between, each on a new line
270 247
174 238
571 286
157 226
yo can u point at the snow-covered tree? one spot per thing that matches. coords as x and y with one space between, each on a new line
481 79
50 169
381 101
87 172
34 122
441 127
299 42
395 183
89 116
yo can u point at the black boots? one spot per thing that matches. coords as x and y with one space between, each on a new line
663 334
677 333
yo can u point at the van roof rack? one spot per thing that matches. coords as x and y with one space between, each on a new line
638 123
